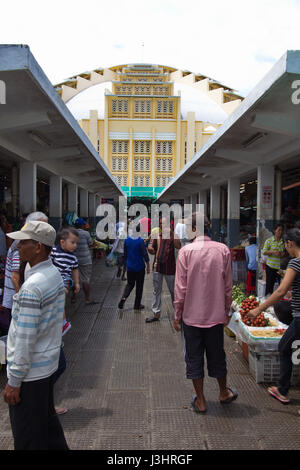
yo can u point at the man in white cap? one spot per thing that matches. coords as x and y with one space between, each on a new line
33 344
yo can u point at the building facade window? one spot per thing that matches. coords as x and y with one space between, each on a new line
141 164
161 181
142 146
141 180
120 146
164 147
164 164
121 180
119 164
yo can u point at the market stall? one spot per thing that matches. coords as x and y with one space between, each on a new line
259 338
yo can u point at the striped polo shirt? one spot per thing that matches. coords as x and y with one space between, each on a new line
34 337
295 302
272 245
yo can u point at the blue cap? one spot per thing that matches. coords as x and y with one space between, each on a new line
79 222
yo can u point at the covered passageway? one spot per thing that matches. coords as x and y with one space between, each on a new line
46 160
258 145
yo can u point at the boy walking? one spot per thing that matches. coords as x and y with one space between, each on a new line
63 258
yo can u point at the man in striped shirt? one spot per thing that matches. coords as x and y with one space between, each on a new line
33 344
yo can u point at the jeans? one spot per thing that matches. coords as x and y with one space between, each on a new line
157 289
285 354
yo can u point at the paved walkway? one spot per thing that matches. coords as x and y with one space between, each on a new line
125 385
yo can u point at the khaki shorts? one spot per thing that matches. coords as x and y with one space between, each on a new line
85 272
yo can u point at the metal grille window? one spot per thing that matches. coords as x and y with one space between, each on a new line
160 90
162 181
164 147
119 106
120 146
142 90
119 164
142 164
121 180
142 146
142 106
142 180
164 164
165 107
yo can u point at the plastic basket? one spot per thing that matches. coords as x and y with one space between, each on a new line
265 367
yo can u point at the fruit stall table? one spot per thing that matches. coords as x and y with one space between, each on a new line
259 339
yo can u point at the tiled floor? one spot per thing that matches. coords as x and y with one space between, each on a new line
125 385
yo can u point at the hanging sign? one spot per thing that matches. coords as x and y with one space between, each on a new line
267 197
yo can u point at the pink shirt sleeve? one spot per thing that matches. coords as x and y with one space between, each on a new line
180 285
228 280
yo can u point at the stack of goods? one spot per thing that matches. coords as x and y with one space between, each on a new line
238 296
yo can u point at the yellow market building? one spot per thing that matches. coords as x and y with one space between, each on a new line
147 121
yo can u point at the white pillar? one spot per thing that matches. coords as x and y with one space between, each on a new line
83 203
27 185
92 205
215 212
278 197
233 212
203 200
265 209
72 197
55 201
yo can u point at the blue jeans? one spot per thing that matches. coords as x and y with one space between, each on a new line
285 354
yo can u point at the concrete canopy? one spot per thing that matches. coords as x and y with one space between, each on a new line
36 126
264 130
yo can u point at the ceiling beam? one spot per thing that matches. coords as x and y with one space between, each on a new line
277 123
57 153
15 120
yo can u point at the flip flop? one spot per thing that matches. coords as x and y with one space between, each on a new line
92 303
61 411
277 396
195 407
230 399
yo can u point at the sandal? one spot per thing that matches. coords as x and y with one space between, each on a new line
195 407
60 411
273 391
230 399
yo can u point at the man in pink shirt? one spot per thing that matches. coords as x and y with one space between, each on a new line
203 296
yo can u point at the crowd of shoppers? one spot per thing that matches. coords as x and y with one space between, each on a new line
42 267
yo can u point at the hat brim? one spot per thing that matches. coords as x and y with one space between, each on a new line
19 235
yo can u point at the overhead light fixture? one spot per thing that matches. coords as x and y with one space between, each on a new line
39 139
253 138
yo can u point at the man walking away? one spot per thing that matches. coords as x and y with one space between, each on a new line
33 344
164 266
203 296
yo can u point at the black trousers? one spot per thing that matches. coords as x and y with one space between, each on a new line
135 279
34 422
271 278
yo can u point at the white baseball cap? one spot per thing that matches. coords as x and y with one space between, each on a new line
36 230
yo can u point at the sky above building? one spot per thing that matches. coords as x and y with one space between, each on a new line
235 42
